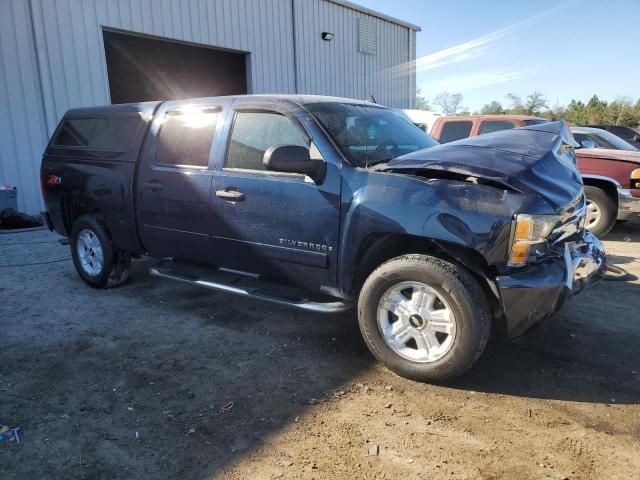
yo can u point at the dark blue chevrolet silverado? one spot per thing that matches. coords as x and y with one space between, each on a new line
328 204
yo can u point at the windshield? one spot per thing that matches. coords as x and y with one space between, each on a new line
614 141
367 134
603 139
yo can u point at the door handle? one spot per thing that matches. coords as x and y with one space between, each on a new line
230 195
153 185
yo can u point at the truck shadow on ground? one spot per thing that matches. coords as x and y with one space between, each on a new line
586 353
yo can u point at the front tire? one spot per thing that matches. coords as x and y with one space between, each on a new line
601 211
424 318
98 261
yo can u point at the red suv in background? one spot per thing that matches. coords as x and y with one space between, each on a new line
611 177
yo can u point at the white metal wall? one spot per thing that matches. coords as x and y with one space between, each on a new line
338 68
23 133
52 59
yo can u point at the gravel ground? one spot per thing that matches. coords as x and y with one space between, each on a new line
162 380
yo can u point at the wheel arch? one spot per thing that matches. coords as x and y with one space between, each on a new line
121 228
72 208
608 185
377 248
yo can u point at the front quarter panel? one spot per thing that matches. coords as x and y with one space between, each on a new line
456 212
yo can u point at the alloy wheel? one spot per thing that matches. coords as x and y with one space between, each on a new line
416 322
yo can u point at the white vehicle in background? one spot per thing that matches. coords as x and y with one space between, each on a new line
423 119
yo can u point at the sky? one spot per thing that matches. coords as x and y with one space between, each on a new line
485 49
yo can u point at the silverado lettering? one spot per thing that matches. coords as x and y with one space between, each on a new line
311 245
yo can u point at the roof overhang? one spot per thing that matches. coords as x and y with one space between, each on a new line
373 13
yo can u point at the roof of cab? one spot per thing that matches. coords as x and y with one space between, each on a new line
135 108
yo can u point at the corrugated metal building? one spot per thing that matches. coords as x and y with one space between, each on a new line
61 54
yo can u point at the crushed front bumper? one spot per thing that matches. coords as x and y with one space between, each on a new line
628 204
538 291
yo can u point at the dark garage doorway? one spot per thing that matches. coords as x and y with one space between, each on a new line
148 68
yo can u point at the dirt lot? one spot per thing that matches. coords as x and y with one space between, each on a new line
163 380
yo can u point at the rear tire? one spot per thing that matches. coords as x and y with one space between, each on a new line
98 261
424 318
601 211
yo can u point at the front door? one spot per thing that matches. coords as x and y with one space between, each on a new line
174 184
280 225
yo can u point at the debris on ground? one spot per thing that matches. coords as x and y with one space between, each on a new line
374 450
227 407
10 219
11 434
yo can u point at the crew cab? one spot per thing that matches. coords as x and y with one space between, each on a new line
611 176
327 205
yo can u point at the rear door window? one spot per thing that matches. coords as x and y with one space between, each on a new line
489 126
100 133
186 137
254 132
453 131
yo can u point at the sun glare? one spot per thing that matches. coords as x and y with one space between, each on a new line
194 117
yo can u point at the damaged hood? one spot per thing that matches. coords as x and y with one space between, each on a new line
538 159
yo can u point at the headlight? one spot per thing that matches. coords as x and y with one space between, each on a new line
529 231
635 178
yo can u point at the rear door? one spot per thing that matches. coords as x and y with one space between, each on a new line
175 178
281 225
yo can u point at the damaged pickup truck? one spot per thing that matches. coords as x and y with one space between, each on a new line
329 204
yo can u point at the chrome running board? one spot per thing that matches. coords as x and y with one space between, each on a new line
246 286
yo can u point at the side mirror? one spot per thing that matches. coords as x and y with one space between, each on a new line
636 138
292 159
588 143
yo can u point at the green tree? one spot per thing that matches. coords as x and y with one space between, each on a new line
535 103
576 112
621 112
557 112
517 107
493 108
596 111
